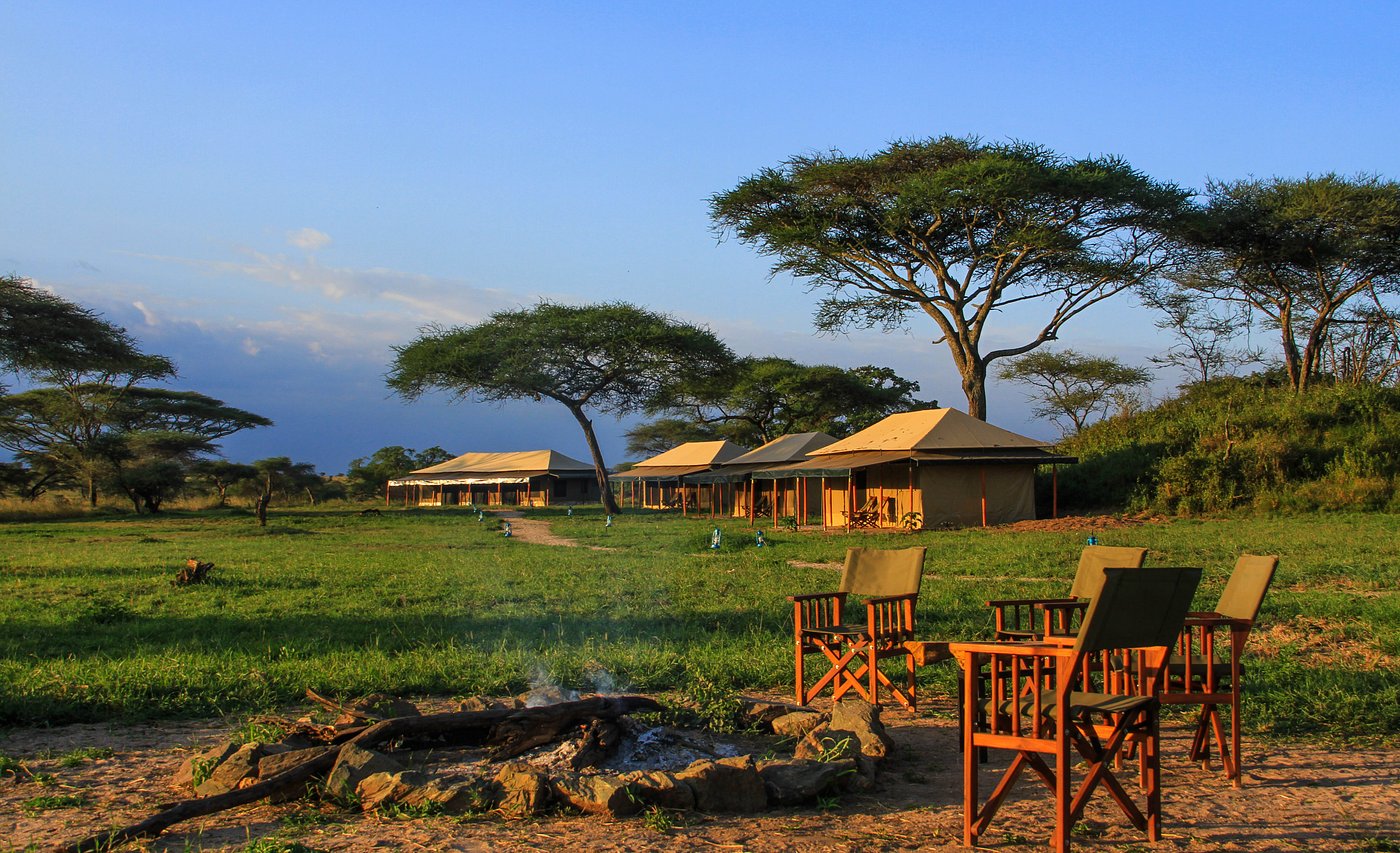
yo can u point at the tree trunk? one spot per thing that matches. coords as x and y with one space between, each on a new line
263 500
600 469
92 492
974 383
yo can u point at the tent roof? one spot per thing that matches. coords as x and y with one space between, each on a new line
693 454
842 464
658 472
930 429
518 462
784 448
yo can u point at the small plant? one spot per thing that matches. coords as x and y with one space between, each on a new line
912 521
307 818
834 750
658 819
829 804
76 757
403 811
719 709
43 780
201 769
50 802
106 611
10 766
259 731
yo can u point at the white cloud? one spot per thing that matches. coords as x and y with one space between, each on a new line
309 239
251 347
147 315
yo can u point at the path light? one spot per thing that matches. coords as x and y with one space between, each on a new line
480 516
507 530
758 539
609 524
715 540
570 513
1092 540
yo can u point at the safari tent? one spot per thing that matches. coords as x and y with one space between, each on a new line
929 468
656 483
730 489
523 478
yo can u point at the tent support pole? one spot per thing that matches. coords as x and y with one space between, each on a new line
911 487
1054 491
982 474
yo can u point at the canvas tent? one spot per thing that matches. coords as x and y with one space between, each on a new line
656 483
730 487
523 478
936 467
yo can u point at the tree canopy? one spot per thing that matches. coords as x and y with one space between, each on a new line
367 477
763 398
957 230
1070 388
613 358
41 332
1298 252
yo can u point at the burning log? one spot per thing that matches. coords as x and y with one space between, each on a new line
506 729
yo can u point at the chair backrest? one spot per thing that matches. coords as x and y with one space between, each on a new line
1244 591
877 572
1095 558
1138 608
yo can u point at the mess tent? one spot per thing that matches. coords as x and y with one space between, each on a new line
929 468
656 483
520 478
729 489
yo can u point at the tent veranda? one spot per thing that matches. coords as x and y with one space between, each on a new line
522 478
657 483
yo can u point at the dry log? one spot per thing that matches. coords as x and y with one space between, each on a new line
600 740
193 572
504 727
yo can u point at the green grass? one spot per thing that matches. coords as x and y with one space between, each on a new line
433 602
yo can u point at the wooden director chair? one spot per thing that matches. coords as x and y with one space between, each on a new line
1033 618
889 580
1060 696
1205 668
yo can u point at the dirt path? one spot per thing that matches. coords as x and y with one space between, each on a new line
1295 797
537 531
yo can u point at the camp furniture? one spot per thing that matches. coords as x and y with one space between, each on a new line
1032 618
1059 700
1206 670
852 651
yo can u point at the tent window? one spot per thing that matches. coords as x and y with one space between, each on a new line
561 488
861 479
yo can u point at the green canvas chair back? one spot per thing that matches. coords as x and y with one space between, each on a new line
1244 591
1138 608
1094 559
879 572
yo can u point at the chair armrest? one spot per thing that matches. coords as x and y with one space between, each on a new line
814 596
1011 649
1024 602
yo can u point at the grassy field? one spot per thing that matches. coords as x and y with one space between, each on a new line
435 602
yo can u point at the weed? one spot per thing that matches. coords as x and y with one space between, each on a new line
50 802
718 709
1376 844
258 730
658 819
201 769
10 766
105 611
834 749
43 780
269 845
308 818
403 811
76 757
829 804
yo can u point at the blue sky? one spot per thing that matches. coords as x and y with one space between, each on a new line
275 194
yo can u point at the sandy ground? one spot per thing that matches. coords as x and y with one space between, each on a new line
1295 797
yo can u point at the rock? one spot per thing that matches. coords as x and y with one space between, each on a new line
762 712
859 716
472 796
354 764
524 790
864 779
232 771
658 788
271 765
726 785
203 763
791 783
827 744
600 794
378 788
797 723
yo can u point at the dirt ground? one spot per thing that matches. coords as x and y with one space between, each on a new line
1295 797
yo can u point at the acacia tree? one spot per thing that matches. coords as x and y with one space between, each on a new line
614 358
1298 252
41 332
957 230
1206 331
1069 388
763 398
367 477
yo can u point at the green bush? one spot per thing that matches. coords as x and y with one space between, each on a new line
1242 443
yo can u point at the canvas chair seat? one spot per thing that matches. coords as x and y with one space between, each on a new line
1214 643
1070 703
889 581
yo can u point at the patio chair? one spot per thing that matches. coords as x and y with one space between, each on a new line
1059 697
1032 618
852 651
1206 670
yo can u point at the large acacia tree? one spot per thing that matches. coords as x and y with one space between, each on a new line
614 358
1298 252
957 230
41 332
